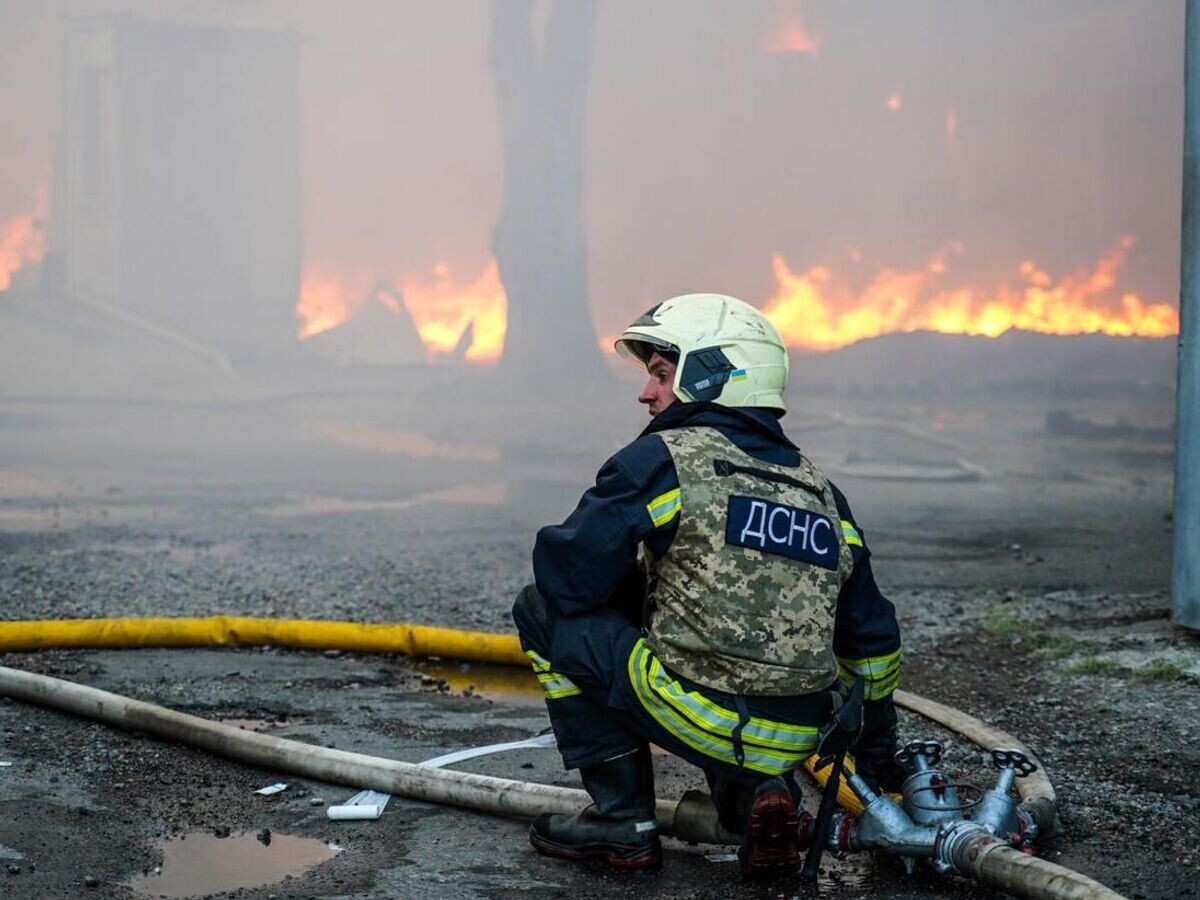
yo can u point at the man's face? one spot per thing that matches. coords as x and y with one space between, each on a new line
657 394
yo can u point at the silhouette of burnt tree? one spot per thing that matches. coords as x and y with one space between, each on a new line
538 241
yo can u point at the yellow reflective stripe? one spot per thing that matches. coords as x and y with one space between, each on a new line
707 715
766 726
871 666
850 533
873 690
554 685
753 756
558 693
881 674
664 507
656 692
693 737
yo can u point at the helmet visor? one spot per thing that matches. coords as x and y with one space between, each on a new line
638 348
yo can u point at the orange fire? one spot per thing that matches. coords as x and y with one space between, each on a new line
23 239
815 311
894 101
324 304
790 36
442 308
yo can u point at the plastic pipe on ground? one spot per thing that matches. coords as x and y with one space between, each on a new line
692 818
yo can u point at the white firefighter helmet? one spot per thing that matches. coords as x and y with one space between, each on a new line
728 352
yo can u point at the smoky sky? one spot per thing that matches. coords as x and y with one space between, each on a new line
1024 130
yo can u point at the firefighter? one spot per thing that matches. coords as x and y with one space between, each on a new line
751 603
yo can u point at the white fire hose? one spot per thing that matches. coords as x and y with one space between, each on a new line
692 818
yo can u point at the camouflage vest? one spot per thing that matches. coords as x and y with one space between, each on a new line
744 599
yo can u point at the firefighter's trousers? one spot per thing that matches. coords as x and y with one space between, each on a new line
607 694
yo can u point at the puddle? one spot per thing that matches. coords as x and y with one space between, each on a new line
854 873
508 683
200 863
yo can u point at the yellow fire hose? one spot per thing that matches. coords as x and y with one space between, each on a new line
1026 876
405 639
244 631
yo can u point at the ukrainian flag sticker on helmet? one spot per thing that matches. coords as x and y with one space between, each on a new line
726 351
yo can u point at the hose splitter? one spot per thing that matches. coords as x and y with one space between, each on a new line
933 821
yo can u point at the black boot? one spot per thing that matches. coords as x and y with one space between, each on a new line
771 842
874 760
619 827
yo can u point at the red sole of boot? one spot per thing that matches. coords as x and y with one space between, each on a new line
640 861
773 838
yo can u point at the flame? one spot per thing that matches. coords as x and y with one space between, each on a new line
23 239
323 304
790 36
895 100
441 307
815 311
951 122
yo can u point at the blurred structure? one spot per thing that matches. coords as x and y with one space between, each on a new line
539 240
176 196
1185 576
382 333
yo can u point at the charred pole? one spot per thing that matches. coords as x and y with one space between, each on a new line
1185 574
539 240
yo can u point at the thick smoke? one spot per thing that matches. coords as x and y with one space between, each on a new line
930 146
706 152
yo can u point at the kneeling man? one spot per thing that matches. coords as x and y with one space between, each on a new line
751 603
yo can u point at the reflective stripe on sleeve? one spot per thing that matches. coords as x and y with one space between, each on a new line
664 507
850 533
554 685
880 674
769 747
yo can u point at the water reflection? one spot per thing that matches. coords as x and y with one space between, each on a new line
200 863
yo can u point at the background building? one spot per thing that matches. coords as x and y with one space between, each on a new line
176 195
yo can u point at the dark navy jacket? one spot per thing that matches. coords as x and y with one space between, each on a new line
591 559
583 563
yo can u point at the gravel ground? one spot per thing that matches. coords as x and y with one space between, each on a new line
1034 597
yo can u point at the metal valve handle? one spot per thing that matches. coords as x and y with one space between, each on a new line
1007 758
931 750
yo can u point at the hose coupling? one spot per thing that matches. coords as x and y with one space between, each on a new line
841 828
961 846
